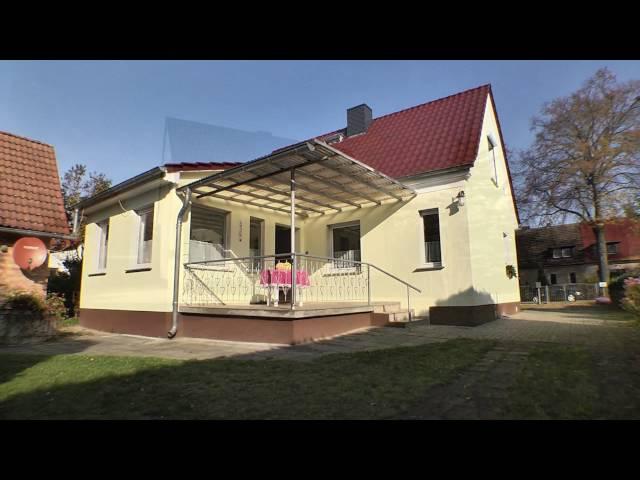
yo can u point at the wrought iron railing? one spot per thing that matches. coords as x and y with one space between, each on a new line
255 280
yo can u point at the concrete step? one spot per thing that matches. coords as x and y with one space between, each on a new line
401 316
386 307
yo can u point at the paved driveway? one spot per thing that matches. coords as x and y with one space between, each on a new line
587 326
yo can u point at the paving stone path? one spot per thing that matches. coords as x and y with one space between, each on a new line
567 328
479 392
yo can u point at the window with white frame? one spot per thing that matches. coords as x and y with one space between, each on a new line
256 229
207 238
145 236
431 229
492 154
103 242
345 244
564 252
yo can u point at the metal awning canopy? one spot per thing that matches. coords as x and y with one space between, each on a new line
326 181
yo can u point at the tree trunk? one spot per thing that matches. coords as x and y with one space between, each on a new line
603 260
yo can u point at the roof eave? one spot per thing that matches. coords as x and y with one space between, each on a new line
149 175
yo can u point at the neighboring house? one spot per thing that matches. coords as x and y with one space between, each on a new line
408 212
31 206
564 254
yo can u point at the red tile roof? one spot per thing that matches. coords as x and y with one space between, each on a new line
437 135
30 194
186 166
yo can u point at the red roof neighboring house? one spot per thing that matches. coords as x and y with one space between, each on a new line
623 232
30 193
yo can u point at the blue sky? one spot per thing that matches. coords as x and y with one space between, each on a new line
110 115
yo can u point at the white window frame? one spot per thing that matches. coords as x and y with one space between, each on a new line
492 151
553 253
423 254
562 250
103 245
227 229
140 236
336 226
257 264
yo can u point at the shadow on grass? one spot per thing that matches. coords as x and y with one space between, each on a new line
364 385
36 353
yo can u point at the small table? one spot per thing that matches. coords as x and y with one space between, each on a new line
272 277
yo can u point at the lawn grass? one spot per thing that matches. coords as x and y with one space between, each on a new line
363 385
557 382
585 309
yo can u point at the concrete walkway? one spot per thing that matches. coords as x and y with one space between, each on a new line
571 326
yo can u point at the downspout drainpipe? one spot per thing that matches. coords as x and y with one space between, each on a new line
186 202
75 222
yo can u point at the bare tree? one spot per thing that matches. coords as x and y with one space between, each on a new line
585 160
76 186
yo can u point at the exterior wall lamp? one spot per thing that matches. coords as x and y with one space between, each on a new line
460 198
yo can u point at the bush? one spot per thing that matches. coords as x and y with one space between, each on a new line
28 301
68 284
55 307
616 286
631 300
52 306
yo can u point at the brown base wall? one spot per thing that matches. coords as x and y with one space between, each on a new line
470 316
239 329
148 324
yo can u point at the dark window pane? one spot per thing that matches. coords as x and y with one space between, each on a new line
432 238
346 243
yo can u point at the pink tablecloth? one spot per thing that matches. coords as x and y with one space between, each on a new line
272 276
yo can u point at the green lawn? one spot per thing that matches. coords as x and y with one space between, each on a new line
551 382
557 382
364 385
585 309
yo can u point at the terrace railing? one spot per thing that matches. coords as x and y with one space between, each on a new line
255 280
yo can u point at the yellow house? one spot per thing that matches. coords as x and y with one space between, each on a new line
401 217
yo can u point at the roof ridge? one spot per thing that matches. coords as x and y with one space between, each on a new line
25 138
434 101
342 129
